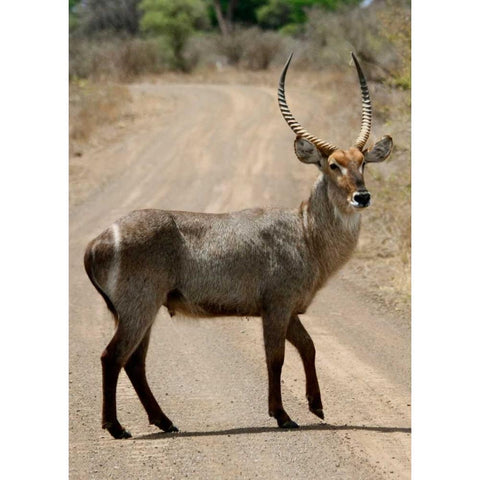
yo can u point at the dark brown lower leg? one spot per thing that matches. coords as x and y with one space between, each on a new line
299 337
125 341
110 370
274 332
135 369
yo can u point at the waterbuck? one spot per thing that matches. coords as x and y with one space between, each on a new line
263 262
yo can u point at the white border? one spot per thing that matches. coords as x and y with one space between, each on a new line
34 239
446 239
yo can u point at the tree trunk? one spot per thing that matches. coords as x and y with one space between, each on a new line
225 22
220 18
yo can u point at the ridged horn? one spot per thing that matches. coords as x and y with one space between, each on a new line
366 108
325 147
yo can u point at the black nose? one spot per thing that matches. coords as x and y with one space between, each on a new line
362 198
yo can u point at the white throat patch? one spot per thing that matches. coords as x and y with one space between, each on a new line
351 221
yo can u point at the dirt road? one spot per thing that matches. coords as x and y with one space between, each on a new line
215 148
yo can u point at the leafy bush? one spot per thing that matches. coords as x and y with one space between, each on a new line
176 21
275 14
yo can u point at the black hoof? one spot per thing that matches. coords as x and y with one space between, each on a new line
318 412
166 428
125 434
117 431
288 424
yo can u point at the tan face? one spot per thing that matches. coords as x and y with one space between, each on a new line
346 167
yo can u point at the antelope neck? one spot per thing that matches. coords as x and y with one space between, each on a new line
329 223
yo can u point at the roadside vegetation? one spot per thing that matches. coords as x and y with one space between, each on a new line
115 43
121 41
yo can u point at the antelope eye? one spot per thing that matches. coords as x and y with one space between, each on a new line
334 166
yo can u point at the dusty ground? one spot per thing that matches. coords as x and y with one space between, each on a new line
218 147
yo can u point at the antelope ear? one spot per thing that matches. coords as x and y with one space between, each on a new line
380 151
306 151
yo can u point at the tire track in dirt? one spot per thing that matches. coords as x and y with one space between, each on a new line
224 148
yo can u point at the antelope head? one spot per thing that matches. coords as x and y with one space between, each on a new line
343 169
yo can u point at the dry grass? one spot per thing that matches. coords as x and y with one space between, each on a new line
100 114
96 112
385 246
116 59
383 258
93 105
251 48
382 261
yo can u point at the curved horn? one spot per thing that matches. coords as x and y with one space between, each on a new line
325 147
366 108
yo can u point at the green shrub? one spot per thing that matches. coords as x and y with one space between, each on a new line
176 22
275 14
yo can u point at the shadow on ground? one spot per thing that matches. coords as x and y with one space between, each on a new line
250 430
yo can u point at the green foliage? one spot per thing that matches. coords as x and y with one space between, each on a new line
72 22
300 7
72 5
72 14
292 30
176 21
244 11
277 14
